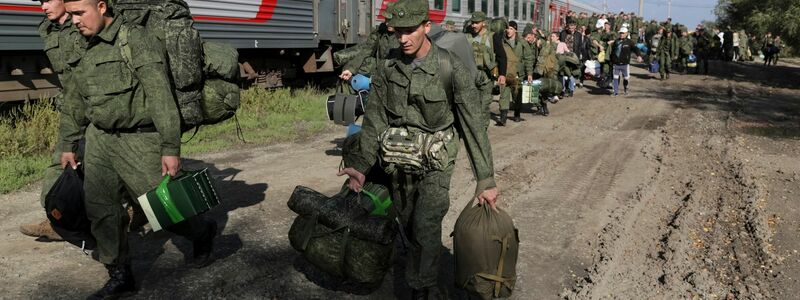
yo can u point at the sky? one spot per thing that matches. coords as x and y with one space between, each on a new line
687 12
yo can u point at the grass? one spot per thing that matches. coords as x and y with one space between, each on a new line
29 131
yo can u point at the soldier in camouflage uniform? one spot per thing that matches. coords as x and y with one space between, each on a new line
483 51
685 49
62 44
369 53
410 99
667 52
517 67
132 134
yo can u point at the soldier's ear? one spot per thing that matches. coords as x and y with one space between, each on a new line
427 26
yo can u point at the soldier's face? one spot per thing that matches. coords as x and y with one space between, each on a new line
553 37
478 26
412 38
510 32
87 15
53 9
530 37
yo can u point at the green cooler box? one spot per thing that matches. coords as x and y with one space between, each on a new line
177 199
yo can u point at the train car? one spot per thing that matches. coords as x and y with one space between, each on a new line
277 39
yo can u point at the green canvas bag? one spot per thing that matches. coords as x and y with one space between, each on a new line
485 247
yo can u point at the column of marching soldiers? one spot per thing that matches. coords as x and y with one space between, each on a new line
120 120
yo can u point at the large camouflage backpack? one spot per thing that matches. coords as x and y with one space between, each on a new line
203 74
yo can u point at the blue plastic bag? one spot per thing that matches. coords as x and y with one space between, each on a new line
691 58
654 66
643 48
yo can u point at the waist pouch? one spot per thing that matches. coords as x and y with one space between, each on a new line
414 152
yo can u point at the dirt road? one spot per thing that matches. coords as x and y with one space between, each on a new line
682 189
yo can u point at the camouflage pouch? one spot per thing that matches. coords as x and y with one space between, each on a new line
415 152
403 150
436 155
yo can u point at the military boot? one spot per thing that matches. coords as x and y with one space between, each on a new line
544 110
429 293
41 229
517 117
120 283
204 246
501 120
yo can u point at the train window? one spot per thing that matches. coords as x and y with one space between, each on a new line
456 5
471 6
524 15
516 9
438 4
496 7
485 6
505 7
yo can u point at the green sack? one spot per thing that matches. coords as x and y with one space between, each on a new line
550 86
220 100
485 247
220 61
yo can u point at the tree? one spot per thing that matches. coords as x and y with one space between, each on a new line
758 17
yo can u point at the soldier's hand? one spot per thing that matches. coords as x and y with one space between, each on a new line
489 197
170 165
501 80
346 75
356 181
68 158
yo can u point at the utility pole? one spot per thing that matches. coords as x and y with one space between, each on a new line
669 8
641 7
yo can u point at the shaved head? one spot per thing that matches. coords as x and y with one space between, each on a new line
89 16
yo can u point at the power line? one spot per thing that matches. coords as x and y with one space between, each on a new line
660 3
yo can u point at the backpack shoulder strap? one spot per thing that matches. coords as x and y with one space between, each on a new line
125 47
446 73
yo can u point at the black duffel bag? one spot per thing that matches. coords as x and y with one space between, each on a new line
66 211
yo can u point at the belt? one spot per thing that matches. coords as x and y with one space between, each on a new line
142 129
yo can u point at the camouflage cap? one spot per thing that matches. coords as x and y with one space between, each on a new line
478 16
450 22
528 29
406 13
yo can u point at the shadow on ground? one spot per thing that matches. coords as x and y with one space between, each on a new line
764 108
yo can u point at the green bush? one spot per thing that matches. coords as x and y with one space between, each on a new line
29 132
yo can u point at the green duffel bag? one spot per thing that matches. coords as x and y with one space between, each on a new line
550 86
337 252
485 248
220 100
350 236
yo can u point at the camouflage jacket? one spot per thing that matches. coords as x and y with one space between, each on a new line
404 96
524 57
668 46
63 45
371 51
120 95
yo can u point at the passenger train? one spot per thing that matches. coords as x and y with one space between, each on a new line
277 39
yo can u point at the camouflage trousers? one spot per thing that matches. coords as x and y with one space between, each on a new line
484 86
422 202
665 64
116 164
511 93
